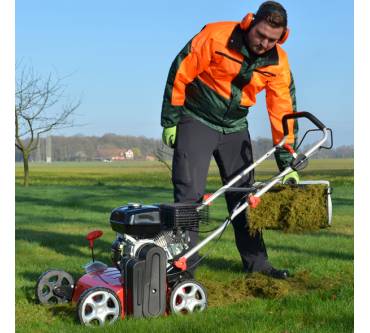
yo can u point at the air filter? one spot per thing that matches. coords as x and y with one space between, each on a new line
183 215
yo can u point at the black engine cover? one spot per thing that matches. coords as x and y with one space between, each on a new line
137 220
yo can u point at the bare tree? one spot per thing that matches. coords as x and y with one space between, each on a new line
37 111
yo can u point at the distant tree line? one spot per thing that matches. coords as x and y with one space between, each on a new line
90 148
93 148
262 145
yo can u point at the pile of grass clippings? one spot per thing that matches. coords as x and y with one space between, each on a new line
291 208
241 288
257 285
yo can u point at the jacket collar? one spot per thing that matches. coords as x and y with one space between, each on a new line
236 42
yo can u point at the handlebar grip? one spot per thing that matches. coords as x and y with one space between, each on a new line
303 114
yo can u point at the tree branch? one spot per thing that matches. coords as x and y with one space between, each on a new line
36 110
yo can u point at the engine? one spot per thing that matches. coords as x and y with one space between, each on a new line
163 225
126 246
149 238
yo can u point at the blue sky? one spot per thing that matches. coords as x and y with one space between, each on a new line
117 55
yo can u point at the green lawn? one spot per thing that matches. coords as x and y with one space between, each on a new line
66 200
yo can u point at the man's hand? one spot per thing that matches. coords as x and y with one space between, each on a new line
169 136
291 178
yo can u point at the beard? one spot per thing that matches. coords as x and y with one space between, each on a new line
258 49
255 49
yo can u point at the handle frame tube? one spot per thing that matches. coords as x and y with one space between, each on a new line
267 186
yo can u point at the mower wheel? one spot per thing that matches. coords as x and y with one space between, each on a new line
187 297
49 282
98 306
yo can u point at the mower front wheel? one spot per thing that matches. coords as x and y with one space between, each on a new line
49 282
98 306
188 297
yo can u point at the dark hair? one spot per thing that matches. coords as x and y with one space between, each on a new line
273 13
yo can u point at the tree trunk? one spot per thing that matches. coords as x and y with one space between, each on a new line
26 171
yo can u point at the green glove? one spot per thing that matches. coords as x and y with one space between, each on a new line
291 178
169 136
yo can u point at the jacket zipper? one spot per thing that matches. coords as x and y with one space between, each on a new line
227 56
265 73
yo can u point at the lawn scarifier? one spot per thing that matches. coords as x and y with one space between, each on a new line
150 276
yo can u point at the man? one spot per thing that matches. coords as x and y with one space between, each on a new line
211 85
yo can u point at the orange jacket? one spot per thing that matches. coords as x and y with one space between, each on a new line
215 80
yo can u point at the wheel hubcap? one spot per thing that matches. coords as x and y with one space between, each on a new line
100 307
49 282
189 298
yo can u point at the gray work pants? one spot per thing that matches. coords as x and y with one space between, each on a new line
196 143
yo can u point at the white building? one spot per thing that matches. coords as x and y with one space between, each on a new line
129 154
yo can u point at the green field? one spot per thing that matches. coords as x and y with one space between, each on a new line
66 200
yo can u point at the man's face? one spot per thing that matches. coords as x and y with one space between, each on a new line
262 37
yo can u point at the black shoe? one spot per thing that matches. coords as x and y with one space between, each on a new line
276 273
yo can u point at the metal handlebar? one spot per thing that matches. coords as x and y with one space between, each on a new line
285 119
303 114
